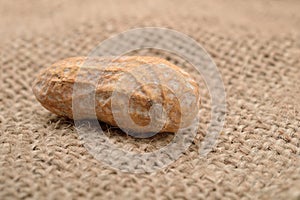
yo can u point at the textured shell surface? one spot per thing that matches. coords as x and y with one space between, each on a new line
130 92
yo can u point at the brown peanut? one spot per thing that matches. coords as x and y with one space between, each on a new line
144 81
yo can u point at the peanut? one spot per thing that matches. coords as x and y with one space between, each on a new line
144 81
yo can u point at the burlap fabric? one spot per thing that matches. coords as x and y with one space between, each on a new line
257 154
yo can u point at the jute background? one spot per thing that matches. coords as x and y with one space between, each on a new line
256 47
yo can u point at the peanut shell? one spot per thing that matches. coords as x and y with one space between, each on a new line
128 88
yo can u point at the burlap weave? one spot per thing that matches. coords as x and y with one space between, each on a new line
257 154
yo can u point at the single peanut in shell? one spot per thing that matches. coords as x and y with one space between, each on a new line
135 90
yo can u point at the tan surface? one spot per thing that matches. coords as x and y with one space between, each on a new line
256 47
271 17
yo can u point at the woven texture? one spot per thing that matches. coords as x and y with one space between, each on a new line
257 155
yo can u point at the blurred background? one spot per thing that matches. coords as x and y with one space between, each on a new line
31 17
